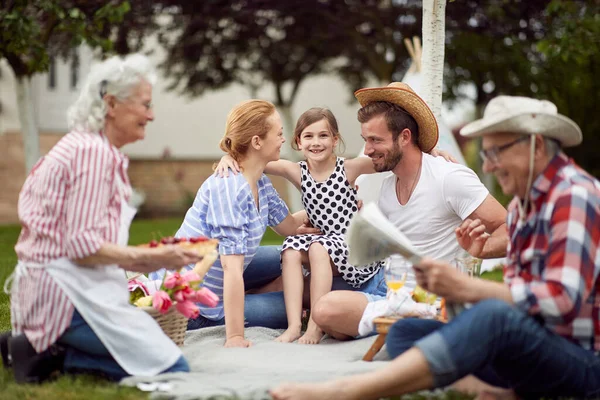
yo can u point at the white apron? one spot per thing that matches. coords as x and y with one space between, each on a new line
101 296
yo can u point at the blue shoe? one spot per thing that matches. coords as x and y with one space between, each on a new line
4 337
32 367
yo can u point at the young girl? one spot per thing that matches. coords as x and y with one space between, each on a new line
329 198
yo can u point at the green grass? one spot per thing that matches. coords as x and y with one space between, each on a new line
86 387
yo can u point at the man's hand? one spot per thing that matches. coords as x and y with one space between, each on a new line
472 237
237 341
442 279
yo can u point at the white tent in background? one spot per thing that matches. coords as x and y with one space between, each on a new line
369 185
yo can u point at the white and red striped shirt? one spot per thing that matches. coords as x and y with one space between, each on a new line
70 204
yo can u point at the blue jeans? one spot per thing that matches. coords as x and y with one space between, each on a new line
86 353
503 346
268 309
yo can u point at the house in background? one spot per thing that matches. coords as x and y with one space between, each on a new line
181 144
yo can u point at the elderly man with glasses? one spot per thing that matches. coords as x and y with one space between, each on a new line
539 332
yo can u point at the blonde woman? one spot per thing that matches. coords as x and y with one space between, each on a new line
236 210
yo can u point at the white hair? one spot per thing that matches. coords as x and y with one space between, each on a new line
115 76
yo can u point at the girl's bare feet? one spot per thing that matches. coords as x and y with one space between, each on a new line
291 334
313 334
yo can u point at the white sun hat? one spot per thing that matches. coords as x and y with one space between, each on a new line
514 114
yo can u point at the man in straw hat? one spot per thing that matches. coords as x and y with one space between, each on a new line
431 201
539 333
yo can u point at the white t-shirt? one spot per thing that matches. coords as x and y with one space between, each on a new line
446 194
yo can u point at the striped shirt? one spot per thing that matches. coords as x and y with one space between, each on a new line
554 255
224 209
69 205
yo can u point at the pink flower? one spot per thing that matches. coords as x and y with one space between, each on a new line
188 309
183 294
161 301
191 276
206 297
134 284
173 280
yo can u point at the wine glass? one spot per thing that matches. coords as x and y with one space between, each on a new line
396 271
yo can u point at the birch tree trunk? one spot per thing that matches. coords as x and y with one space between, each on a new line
29 129
434 27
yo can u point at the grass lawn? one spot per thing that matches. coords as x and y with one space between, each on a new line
89 388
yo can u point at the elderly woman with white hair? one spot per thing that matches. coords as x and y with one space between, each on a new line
69 307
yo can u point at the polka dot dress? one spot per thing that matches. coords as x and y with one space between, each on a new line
330 205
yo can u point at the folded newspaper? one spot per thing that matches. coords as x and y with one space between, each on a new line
372 237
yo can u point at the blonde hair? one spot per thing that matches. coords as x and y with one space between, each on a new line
311 116
244 121
115 76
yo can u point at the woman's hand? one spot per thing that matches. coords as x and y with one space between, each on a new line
169 257
307 229
237 341
472 237
227 163
175 257
441 153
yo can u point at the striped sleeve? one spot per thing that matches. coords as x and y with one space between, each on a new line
88 198
277 208
226 216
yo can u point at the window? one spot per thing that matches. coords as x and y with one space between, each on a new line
52 74
74 70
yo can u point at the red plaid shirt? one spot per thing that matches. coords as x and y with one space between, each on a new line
554 254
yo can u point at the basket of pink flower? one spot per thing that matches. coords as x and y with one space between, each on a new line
175 302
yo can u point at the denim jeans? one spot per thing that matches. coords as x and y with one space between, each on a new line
86 353
503 346
268 309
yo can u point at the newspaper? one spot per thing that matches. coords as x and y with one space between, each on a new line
372 237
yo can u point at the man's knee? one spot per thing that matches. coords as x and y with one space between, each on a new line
497 313
326 310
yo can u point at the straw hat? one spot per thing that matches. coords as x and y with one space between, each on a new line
526 116
401 94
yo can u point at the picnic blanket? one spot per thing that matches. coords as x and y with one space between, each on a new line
218 372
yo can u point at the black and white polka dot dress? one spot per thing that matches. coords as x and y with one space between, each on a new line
330 205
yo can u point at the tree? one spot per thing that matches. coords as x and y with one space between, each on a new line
569 69
213 44
32 31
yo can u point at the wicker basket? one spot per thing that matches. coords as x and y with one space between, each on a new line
172 323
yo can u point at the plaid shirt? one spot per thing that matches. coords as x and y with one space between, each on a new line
554 255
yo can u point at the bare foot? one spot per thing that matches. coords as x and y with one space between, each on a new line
483 391
290 334
331 390
313 335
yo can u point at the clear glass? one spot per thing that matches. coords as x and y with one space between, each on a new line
396 272
467 264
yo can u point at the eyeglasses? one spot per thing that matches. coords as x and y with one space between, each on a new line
492 154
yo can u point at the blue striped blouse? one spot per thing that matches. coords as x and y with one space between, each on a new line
224 209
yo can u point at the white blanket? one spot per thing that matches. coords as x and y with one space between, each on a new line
218 372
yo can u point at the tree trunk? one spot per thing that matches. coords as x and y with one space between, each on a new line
434 26
29 129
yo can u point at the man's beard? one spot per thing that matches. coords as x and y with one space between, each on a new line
390 160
